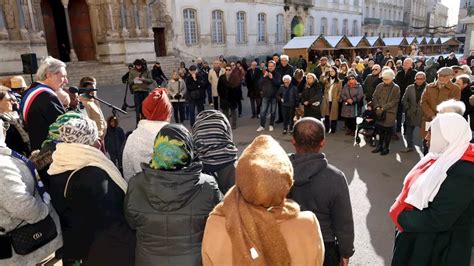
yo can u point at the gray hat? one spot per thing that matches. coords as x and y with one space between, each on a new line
445 71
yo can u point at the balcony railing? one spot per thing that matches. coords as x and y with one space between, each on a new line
387 22
371 21
306 3
399 23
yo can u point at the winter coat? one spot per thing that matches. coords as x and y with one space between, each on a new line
158 75
174 88
293 99
286 70
169 209
42 112
431 72
94 112
320 70
411 107
196 89
434 95
449 62
213 78
387 97
145 85
17 204
403 79
332 112
229 96
356 94
466 93
252 77
440 233
370 83
224 175
322 188
114 140
139 147
92 220
302 236
270 86
16 136
314 96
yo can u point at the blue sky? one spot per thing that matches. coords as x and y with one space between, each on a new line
453 11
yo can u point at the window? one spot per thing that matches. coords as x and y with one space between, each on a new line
310 26
217 27
334 29
356 2
190 29
324 26
345 27
241 27
373 13
355 28
279 38
346 2
262 34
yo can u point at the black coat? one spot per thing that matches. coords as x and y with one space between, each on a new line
92 219
465 94
169 210
313 95
287 70
270 86
195 89
158 75
403 79
251 79
449 62
114 140
229 96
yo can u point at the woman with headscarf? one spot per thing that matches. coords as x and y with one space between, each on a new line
21 204
169 201
255 224
87 191
157 110
434 212
385 101
212 135
351 96
312 97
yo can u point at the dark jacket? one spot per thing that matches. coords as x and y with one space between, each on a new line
289 96
229 96
449 62
169 210
252 77
158 75
322 188
224 174
43 111
287 70
114 140
465 94
403 79
195 89
92 219
318 71
370 83
270 86
313 95
439 234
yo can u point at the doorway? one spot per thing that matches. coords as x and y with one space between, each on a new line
81 30
160 41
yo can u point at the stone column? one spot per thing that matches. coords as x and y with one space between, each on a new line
3 25
123 22
148 18
136 18
72 53
112 31
21 21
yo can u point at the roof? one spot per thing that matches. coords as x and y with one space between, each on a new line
355 40
393 41
301 42
333 40
410 40
372 40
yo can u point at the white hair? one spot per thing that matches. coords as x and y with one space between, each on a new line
49 65
466 69
451 106
408 59
388 73
284 56
420 73
285 77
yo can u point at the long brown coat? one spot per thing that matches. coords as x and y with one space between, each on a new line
333 113
434 95
302 235
387 97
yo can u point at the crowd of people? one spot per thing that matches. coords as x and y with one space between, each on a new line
165 195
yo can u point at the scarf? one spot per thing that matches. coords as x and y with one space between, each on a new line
13 118
173 148
74 156
212 135
53 132
454 134
253 207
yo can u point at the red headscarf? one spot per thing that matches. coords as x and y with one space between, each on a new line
157 106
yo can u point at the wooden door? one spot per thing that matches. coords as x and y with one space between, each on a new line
81 30
50 28
160 41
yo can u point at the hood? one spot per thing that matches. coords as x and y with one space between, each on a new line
306 166
171 190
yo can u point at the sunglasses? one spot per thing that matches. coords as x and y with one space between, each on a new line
228 69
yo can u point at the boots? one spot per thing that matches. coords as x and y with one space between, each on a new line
386 143
379 147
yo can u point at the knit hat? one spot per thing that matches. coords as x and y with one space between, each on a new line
157 106
173 148
264 176
80 131
53 132
212 135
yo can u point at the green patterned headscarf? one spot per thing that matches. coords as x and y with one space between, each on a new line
53 133
173 148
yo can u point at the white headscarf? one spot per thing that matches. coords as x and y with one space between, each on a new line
2 135
450 136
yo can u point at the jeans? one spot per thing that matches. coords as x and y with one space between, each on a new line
255 104
178 111
193 105
230 113
409 136
215 101
209 94
268 103
138 98
288 113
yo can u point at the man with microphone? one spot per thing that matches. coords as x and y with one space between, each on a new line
88 91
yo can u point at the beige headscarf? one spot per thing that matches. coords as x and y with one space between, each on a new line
264 176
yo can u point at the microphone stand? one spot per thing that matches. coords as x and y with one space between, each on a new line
114 108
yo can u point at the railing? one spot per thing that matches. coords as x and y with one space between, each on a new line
306 3
387 22
399 23
371 21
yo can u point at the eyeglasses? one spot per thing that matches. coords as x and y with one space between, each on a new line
228 69
375 69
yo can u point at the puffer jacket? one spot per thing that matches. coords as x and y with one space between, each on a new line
169 210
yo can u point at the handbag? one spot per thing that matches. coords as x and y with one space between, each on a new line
30 237
381 116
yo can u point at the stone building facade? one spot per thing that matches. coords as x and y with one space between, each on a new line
118 31
384 18
415 16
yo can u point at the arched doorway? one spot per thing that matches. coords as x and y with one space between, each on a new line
297 27
56 31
